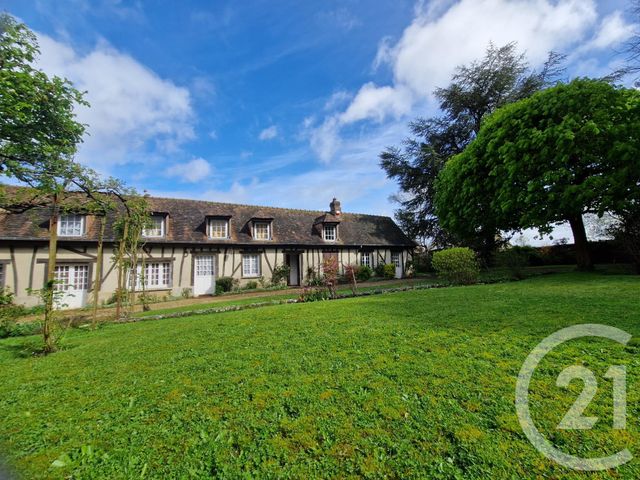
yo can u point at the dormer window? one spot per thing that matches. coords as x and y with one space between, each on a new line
156 227
71 225
218 228
330 233
262 230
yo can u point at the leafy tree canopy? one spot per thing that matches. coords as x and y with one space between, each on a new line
566 151
476 90
38 129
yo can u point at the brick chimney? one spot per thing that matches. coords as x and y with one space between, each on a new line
334 207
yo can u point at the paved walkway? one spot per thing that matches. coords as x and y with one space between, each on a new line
211 299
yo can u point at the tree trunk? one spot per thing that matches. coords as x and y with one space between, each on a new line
143 281
98 283
121 264
47 327
583 256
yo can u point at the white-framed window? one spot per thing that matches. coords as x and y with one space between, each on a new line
251 265
262 230
155 275
395 258
365 259
330 233
205 266
71 277
156 227
71 225
218 228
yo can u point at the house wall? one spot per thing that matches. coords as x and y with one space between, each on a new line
25 265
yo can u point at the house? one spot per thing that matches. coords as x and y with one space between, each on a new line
191 243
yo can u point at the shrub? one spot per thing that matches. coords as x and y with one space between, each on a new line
118 293
514 260
280 274
389 270
148 298
6 296
330 270
421 263
364 273
186 293
379 270
314 294
9 327
627 232
251 285
457 265
351 276
225 284
313 278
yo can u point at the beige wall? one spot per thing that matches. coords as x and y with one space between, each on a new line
25 265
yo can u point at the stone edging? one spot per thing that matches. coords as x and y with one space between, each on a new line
249 306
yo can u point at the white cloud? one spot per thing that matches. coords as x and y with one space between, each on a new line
193 171
337 99
378 102
269 133
213 134
341 18
384 53
371 102
432 47
444 35
203 88
613 31
134 115
355 178
325 140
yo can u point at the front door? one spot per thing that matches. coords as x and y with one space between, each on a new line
204 279
294 269
395 259
73 282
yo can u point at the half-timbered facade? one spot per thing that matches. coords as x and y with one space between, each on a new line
190 243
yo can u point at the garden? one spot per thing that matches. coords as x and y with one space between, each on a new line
400 385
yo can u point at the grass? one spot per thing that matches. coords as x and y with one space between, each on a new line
495 274
414 384
158 310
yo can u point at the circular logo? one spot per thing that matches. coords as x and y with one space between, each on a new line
543 445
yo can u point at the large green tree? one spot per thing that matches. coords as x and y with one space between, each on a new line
38 128
476 90
564 152
39 135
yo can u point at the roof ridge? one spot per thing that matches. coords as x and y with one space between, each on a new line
301 210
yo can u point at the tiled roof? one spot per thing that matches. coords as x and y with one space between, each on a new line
187 224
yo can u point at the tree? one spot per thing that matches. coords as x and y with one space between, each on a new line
476 90
564 152
129 228
626 230
38 129
39 136
632 49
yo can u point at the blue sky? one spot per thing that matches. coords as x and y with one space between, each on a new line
285 103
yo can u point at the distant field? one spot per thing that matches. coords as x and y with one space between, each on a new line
415 384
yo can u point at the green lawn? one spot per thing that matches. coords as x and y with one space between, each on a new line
415 384
230 299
